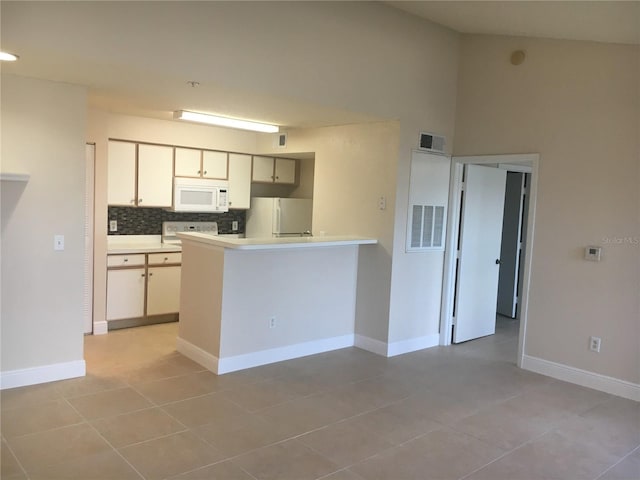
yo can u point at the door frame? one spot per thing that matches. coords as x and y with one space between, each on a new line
509 161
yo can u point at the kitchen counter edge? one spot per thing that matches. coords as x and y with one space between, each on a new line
132 248
277 243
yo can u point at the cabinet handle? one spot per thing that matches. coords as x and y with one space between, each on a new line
277 177
142 275
125 259
166 258
151 274
205 172
133 200
139 200
198 172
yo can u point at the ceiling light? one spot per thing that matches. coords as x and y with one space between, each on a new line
225 121
8 57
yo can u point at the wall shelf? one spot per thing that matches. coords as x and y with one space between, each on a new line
14 177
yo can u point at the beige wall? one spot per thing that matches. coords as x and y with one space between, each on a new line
43 134
577 104
354 166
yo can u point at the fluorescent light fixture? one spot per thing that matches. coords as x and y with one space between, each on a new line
225 121
8 57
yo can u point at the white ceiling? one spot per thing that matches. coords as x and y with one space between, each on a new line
598 21
86 43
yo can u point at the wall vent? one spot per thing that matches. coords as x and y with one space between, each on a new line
432 143
280 140
427 227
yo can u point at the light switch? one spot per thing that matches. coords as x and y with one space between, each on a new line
113 225
58 242
382 203
234 225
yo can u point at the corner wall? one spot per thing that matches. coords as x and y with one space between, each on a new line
43 134
577 104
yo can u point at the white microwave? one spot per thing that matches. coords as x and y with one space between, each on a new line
200 195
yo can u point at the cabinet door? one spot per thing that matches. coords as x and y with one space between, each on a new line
262 169
239 180
285 171
187 162
125 293
214 164
121 173
155 175
163 290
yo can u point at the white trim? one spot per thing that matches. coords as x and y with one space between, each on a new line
197 354
100 327
43 374
412 344
396 348
263 357
371 345
584 378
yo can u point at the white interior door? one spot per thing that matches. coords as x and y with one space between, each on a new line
481 235
88 237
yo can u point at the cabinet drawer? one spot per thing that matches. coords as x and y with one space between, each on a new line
125 260
162 258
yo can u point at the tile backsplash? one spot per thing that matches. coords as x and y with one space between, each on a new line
148 221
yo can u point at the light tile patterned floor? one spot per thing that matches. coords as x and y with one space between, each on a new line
464 412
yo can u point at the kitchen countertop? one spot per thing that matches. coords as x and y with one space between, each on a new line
128 244
277 243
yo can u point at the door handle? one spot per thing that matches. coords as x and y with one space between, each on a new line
498 262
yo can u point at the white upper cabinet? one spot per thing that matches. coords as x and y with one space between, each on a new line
121 173
194 162
152 167
262 169
239 180
214 164
188 162
285 171
274 170
155 175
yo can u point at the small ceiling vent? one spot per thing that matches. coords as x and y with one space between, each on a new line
432 143
280 140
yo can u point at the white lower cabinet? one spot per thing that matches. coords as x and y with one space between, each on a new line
163 290
141 286
125 293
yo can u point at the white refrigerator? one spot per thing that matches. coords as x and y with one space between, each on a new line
278 217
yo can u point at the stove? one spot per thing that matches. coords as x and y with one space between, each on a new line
170 229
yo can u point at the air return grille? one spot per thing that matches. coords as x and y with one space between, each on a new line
427 227
432 143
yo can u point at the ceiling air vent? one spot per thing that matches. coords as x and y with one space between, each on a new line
280 140
432 143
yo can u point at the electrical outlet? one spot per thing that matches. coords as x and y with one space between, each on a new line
234 225
272 322
113 225
594 344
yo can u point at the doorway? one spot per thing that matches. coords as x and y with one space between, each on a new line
456 296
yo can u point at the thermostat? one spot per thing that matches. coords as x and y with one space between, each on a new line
592 253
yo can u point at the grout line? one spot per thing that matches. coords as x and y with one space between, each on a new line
619 461
24 470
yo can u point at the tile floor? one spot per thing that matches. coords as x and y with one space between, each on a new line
464 412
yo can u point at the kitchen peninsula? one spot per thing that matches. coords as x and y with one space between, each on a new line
246 302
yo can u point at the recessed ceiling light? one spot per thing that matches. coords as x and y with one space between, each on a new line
225 121
8 57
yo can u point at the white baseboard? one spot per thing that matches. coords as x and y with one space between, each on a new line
584 378
413 344
100 328
396 348
46 373
371 345
262 357
198 355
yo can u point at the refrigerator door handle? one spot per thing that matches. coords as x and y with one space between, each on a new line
278 213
